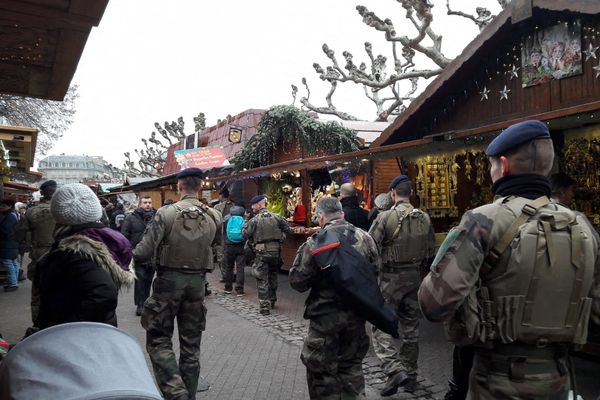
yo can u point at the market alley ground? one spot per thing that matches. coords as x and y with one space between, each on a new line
248 356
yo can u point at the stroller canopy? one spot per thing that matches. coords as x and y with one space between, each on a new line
77 361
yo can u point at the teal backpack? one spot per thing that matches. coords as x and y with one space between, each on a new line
234 229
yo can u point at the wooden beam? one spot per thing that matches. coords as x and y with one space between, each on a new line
319 162
545 116
46 17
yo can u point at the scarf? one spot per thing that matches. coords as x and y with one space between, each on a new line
528 186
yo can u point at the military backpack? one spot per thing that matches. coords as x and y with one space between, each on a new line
407 231
188 244
534 281
268 235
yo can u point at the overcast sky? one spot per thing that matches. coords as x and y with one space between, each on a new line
156 60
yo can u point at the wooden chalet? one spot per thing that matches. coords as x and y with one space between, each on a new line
494 84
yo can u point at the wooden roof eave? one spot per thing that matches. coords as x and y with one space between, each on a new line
320 162
469 51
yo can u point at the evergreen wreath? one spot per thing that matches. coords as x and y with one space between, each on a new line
287 124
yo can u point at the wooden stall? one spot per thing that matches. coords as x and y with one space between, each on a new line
536 60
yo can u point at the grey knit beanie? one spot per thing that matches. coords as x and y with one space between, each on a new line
75 204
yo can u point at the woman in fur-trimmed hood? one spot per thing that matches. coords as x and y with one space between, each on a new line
79 279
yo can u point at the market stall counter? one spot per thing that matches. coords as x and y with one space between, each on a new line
293 242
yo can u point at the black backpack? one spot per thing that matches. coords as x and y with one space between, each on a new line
354 280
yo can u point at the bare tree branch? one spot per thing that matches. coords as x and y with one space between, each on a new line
330 110
51 118
483 18
375 79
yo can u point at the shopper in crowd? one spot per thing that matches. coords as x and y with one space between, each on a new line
353 213
133 229
563 189
38 227
233 250
80 277
337 340
383 202
9 246
117 217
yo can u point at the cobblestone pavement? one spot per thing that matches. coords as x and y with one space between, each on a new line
245 355
293 331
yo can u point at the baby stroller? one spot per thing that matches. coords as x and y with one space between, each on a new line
77 361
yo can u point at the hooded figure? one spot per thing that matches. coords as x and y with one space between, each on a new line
80 277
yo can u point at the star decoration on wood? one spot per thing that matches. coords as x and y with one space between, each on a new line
514 73
590 52
597 69
484 93
504 93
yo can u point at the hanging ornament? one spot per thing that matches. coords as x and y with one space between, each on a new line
504 93
597 69
484 93
590 52
514 73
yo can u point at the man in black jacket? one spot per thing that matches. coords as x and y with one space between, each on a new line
353 213
133 228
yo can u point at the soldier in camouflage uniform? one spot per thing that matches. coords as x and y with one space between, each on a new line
407 241
337 341
38 222
519 278
224 207
265 232
183 235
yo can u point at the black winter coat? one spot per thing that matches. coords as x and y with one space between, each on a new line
354 214
79 281
134 225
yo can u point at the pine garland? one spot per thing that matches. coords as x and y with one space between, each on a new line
288 124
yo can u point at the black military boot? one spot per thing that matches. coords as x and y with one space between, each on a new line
394 382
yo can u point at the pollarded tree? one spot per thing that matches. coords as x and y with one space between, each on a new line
50 118
151 158
381 85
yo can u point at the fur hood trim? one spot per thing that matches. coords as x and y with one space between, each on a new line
98 253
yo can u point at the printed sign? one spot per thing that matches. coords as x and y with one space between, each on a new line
202 157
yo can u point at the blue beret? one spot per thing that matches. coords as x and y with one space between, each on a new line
516 135
398 180
48 184
257 198
190 172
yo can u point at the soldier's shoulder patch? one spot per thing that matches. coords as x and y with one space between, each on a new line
448 241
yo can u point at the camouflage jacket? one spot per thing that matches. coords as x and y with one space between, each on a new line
305 274
457 267
380 234
160 227
224 207
251 228
37 222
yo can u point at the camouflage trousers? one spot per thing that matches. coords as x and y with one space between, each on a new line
265 270
333 352
35 254
506 378
400 290
175 295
